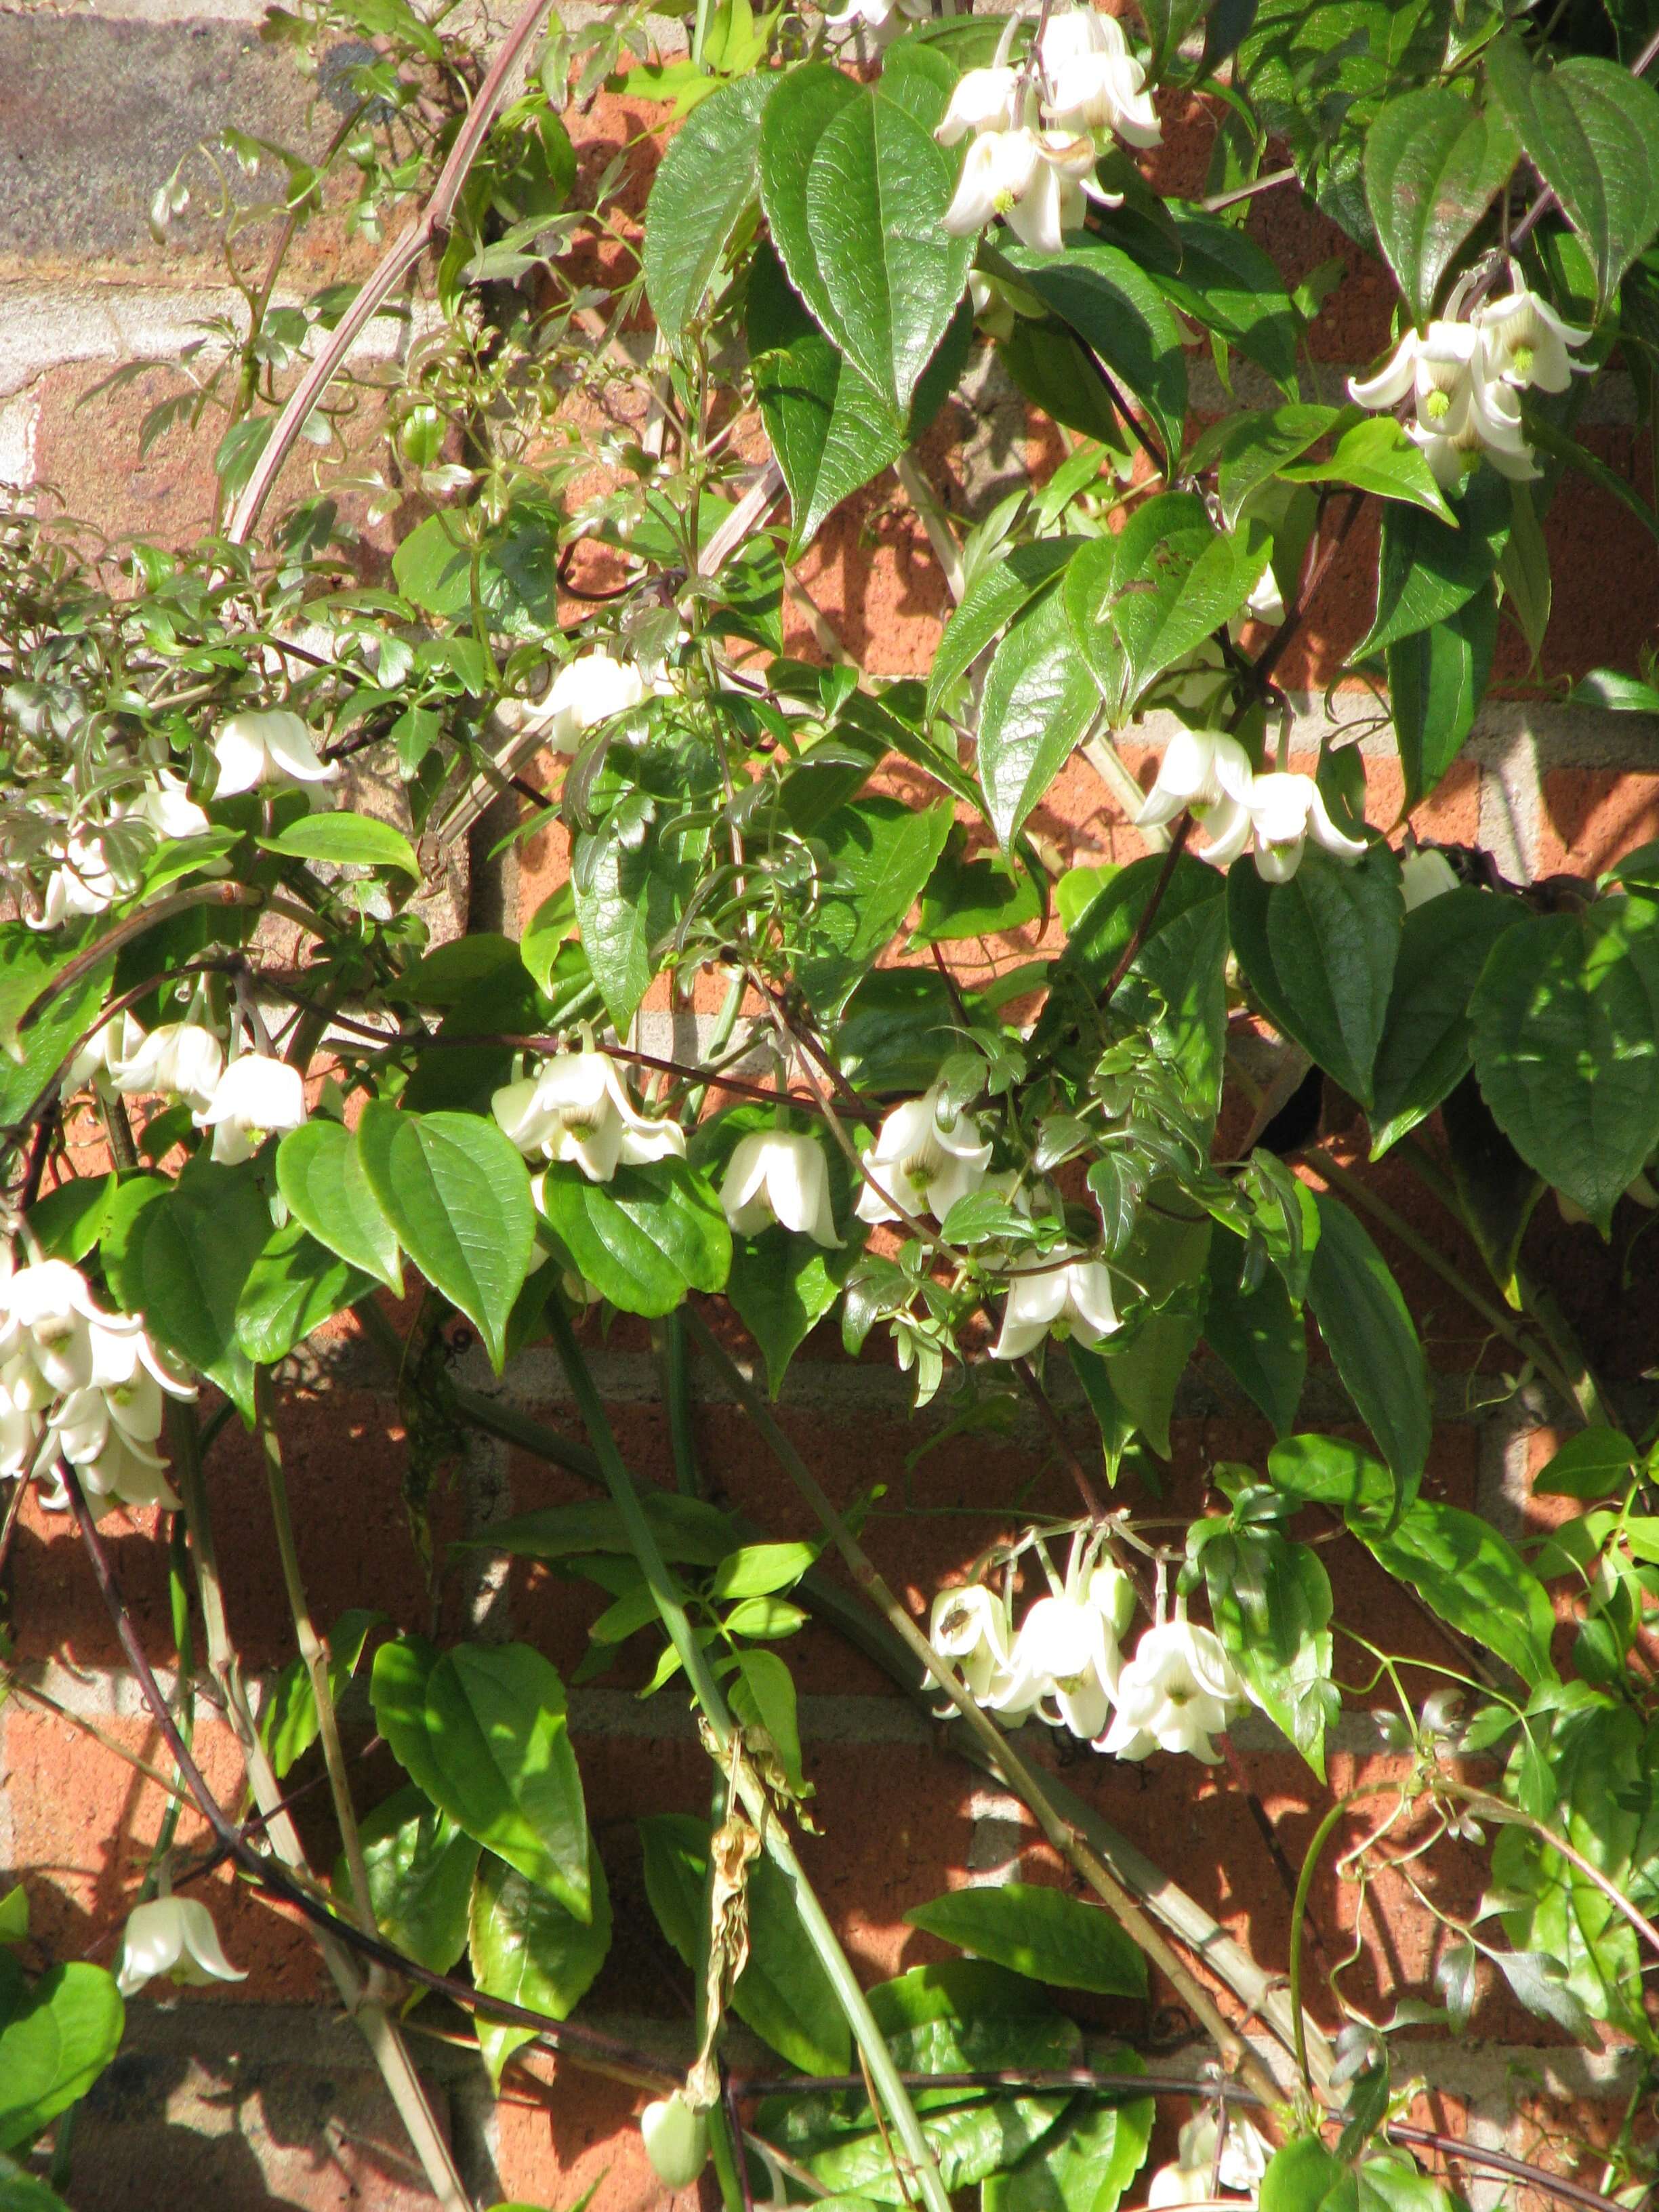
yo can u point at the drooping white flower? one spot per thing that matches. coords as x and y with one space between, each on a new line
1178 1691
1195 2174
1208 774
266 745
103 1059
676 2137
1066 1651
1065 1295
173 1936
46 1313
586 693
21 1426
184 1059
970 1627
1524 343
1037 180
1094 82
256 1097
1426 875
1285 811
919 1165
776 1175
1266 602
170 811
980 99
577 1108
112 1462
81 884
878 16
1459 409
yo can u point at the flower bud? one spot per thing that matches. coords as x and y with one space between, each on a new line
676 2140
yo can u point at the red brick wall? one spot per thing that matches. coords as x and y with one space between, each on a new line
260 2093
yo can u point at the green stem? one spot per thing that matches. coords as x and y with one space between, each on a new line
1322 1836
677 1395
707 1691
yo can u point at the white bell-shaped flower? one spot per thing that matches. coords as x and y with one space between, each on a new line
1426 875
970 1627
919 1165
1037 180
676 2138
577 1108
1459 410
586 693
1062 1296
21 1426
266 745
46 1313
1178 1691
170 811
184 1059
1207 774
256 1097
1524 343
113 1465
884 19
103 1059
81 884
1284 811
1094 83
1196 2173
776 1175
1066 1651
982 99
176 1936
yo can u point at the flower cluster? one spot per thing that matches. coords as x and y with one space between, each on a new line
1464 377
1065 1665
78 1380
1034 129
1209 775
243 1101
87 872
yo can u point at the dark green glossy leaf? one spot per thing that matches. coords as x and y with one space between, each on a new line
1260 1337
644 1239
1429 569
1038 702
1438 677
1039 1932
1427 1040
708 176
526 1948
319 1173
880 852
1370 1334
1433 166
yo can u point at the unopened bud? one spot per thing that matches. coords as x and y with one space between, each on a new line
676 2140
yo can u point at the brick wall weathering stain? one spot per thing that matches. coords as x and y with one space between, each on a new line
260 2094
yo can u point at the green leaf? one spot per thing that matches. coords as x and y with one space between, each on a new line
56 2036
796 116
1305 2177
1252 449
346 841
880 852
1086 2165
420 1868
29 960
1039 1932
527 1948
288 1724
21 2192
1429 569
1592 130
1370 1334
1140 601
888 277
69 1221
1524 572
975 898
1433 166
1375 454
1231 286
969 2143
989 604
482 1731
1427 1039
1260 1337
1473 1580
708 176
627 902
319 1173
1271 1603
1038 702
782 1993
293 1287
1318 952
646 1238
185 1257
1566 1046
457 1196
762 1694
1438 677
1119 312
832 430
1595 1463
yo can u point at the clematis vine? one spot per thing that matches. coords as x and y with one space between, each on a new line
1064 1296
921 1162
